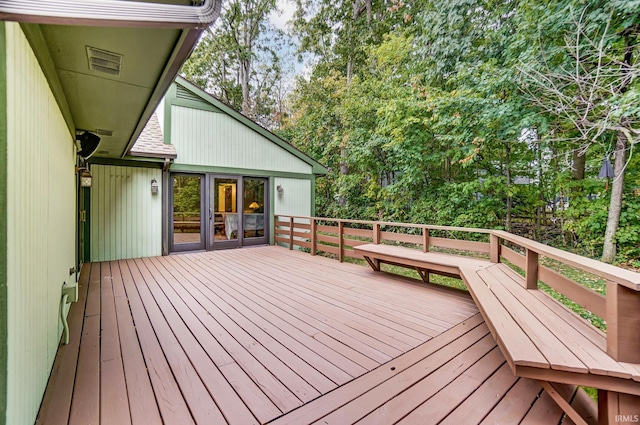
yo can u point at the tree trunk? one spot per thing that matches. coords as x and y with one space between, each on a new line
245 73
615 204
540 208
579 163
447 169
507 160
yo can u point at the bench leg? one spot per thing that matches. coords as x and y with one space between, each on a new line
563 404
617 408
424 274
374 263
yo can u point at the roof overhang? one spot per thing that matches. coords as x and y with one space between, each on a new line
153 40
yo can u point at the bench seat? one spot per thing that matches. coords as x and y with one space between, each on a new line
539 337
423 262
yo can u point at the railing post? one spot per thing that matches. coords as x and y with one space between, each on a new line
623 326
494 248
425 239
340 241
376 233
314 241
290 233
623 345
531 272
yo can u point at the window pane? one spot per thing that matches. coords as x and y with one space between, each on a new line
186 209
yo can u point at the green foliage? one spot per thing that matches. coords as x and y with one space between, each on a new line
422 114
186 194
237 60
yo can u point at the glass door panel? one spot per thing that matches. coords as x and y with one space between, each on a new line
225 220
187 224
254 218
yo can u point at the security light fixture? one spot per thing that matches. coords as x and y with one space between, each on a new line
88 144
154 186
280 189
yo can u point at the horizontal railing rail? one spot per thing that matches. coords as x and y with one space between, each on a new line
620 307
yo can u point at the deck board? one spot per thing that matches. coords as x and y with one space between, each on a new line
172 406
114 399
56 404
142 402
267 335
273 334
85 405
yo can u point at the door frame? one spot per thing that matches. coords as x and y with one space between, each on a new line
212 244
207 213
180 247
262 240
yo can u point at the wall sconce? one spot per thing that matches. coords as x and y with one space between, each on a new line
85 178
154 186
280 189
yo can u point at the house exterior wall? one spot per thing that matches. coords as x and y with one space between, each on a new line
126 218
40 226
215 139
295 198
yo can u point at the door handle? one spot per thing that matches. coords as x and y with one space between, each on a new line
210 214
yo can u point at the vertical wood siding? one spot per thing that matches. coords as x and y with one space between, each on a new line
41 226
215 139
296 198
126 219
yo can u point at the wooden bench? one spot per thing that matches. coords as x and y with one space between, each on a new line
423 262
539 337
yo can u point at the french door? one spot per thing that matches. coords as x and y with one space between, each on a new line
218 212
238 211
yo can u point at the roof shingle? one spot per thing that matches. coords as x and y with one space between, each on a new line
151 144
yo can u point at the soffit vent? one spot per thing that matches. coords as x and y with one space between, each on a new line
103 132
103 61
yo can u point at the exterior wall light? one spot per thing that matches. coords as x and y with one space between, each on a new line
280 189
85 178
154 186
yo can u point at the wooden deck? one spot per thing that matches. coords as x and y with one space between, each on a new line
271 336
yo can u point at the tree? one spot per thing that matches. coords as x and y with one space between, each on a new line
237 58
591 85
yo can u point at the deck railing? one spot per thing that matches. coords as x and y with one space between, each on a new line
620 308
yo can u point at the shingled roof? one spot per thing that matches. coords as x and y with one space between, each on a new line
151 144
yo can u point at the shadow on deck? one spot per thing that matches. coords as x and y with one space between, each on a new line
268 335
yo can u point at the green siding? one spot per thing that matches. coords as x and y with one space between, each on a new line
296 197
3 226
126 219
41 228
212 139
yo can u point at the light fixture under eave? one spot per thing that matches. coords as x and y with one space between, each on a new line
154 186
85 178
280 189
